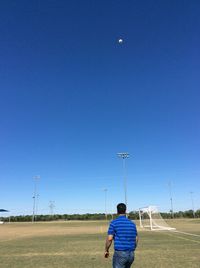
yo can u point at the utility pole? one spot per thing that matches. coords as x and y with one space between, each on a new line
124 156
35 198
51 207
192 204
105 191
171 201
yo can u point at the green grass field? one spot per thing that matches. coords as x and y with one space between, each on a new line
81 244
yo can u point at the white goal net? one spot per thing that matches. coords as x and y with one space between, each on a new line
151 218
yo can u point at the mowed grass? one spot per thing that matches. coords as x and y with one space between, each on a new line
81 244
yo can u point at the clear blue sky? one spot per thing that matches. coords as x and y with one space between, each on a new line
71 97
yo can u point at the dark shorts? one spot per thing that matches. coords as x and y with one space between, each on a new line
123 259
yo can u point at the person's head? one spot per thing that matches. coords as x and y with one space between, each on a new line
121 208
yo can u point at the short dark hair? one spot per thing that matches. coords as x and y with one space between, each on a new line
121 208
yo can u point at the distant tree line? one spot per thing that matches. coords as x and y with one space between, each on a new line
182 214
134 215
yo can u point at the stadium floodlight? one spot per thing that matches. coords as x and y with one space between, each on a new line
150 217
35 197
191 193
124 156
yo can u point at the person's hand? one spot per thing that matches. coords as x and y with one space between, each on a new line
106 254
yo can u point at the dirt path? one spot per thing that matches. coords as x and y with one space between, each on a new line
20 230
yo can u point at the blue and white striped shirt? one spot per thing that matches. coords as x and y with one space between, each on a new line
124 232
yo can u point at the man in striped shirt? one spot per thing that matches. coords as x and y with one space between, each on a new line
124 233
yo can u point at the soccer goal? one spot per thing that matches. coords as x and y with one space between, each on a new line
151 218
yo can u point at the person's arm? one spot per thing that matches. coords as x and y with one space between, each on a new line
137 240
108 243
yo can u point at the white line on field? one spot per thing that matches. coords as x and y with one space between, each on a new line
184 238
175 231
180 232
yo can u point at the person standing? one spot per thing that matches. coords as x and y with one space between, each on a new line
124 233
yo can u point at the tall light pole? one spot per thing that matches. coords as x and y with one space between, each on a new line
171 201
35 197
124 156
105 191
192 204
51 207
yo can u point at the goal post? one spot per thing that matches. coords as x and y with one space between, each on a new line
151 218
